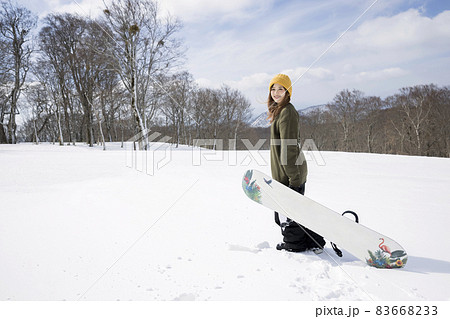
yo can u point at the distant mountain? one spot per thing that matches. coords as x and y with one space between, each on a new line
261 120
310 109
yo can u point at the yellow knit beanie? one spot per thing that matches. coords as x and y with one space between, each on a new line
283 80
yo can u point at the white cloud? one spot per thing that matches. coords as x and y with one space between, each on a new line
375 75
307 75
407 35
213 10
42 8
92 8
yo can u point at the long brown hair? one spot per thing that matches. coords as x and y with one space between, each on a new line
275 108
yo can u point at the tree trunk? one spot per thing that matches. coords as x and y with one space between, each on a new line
60 132
143 143
3 138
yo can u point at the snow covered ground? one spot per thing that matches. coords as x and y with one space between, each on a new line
79 223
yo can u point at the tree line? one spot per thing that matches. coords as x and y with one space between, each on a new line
105 79
413 122
111 78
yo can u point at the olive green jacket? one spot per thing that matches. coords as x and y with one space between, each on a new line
287 161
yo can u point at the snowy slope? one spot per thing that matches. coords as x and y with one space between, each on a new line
77 224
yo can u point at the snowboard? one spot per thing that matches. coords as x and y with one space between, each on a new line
373 248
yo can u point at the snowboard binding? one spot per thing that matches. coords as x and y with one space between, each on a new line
335 248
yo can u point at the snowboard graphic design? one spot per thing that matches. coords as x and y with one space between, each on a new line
373 248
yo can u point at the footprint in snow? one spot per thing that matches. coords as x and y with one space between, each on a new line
185 297
259 247
242 248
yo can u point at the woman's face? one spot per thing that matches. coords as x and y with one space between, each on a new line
277 92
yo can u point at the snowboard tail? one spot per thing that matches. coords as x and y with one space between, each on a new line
374 248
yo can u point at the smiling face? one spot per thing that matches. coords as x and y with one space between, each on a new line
277 91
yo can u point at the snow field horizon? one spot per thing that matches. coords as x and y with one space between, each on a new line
78 223
159 154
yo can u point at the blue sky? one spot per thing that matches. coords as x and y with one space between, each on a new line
244 43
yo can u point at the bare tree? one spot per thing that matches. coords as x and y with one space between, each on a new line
236 108
437 135
3 109
415 105
441 120
198 111
72 45
16 22
212 114
110 98
144 45
312 126
38 99
177 103
371 106
346 108
49 83
53 71
5 79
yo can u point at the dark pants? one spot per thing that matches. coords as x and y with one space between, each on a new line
296 235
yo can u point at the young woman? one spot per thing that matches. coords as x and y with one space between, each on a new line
288 163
